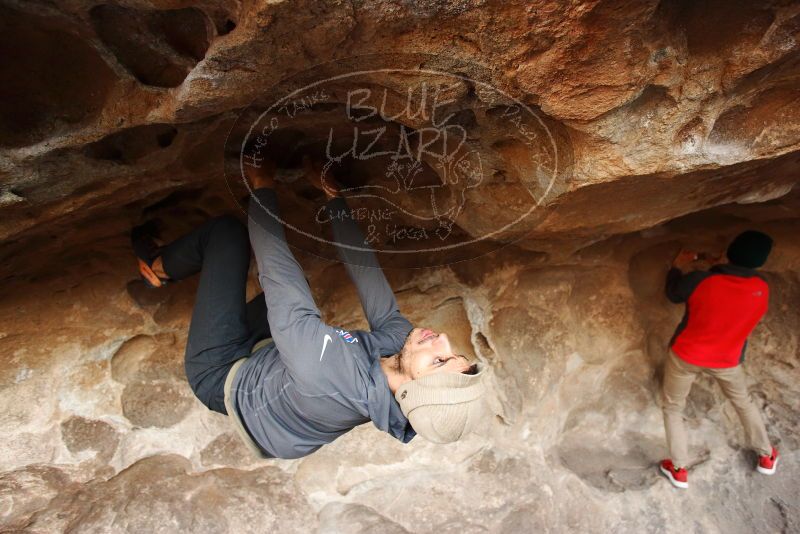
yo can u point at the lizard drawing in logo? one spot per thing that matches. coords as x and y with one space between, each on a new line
444 200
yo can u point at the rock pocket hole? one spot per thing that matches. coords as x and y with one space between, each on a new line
159 48
132 144
49 78
228 27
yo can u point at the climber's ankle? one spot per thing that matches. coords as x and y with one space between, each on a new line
158 268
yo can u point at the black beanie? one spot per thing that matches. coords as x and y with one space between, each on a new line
750 249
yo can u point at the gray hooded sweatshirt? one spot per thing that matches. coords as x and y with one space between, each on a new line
315 381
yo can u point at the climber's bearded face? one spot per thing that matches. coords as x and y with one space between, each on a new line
426 352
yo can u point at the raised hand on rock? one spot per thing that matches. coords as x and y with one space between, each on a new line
684 258
316 176
714 258
262 175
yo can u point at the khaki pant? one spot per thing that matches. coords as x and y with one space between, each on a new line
678 379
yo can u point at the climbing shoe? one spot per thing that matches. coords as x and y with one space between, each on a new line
768 463
678 477
147 251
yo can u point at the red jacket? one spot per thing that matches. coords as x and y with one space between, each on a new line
723 306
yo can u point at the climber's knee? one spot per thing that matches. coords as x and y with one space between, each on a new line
206 383
672 402
225 231
228 226
672 407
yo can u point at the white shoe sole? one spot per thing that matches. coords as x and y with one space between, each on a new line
765 471
676 483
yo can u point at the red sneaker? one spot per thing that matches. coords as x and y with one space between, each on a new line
768 464
678 477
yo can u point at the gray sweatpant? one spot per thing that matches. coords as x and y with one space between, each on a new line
224 326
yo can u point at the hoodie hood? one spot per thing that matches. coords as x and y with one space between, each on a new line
384 410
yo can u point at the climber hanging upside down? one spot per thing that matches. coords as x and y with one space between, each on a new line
290 382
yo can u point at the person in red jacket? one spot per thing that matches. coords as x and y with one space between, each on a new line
723 305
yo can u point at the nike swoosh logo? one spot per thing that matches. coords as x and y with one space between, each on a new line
324 344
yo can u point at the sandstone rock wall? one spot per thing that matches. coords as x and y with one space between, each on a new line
674 123
657 111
